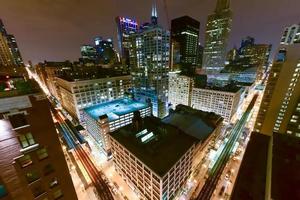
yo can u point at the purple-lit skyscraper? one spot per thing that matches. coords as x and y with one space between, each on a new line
126 26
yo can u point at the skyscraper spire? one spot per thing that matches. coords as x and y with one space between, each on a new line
222 5
154 15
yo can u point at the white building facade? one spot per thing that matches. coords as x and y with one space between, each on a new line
79 94
222 103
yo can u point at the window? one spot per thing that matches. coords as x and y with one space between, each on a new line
42 153
53 182
38 190
48 169
3 191
57 194
32 176
25 160
18 120
26 140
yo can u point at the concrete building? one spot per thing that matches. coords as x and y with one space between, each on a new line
291 35
77 94
141 151
218 28
222 101
149 61
33 165
106 117
282 92
180 89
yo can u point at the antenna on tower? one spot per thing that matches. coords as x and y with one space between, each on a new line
154 15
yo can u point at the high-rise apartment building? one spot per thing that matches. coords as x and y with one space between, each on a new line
218 28
185 31
291 35
79 93
149 61
282 92
33 166
9 51
293 127
180 89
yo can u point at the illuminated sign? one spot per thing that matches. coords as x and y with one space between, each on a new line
143 132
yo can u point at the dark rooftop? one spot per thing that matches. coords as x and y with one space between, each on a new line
285 182
196 123
90 72
233 88
285 167
163 151
251 180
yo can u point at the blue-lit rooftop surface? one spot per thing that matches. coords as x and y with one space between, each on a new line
114 109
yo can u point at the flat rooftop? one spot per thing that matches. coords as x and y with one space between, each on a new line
285 178
251 181
114 109
196 123
166 147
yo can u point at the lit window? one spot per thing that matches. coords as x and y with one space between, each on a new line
42 153
57 194
25 160
32 176
26 140
53 182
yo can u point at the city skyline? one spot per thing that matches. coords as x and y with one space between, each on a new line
37 42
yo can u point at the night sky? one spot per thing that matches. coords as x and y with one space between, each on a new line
54 29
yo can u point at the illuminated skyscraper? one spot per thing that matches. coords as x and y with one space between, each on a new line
185 31
282 92
9 51
88 53
218 28
149 61
291 35
126 26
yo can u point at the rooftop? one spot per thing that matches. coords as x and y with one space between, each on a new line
251 181
196 123
114 109
161 147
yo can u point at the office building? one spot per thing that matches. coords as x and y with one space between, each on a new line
218 28
78 93
141 150
88 53
273 172
223 101
149 61
107 117
105 51
180 89
16 55
125 26
185 31
281 93
33 166
9 52
291 35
